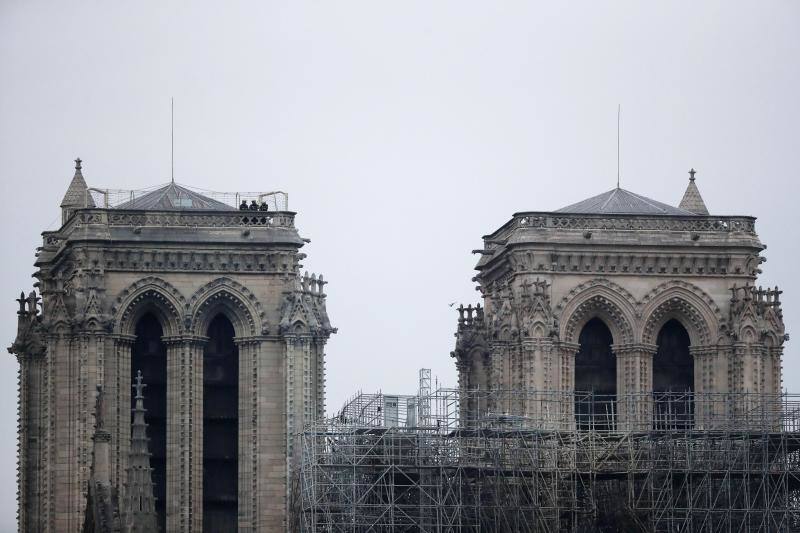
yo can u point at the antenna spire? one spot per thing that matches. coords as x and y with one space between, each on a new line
619 110
172 139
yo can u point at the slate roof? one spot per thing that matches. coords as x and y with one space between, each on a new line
175 197
76 195
621 202
692 201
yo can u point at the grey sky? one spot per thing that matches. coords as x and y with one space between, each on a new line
403 132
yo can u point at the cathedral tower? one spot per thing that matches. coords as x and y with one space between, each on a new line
205 299
621 296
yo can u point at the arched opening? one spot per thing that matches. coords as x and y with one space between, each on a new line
595 378
220 427
149 355
673 377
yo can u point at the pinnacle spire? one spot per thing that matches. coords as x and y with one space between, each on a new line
139 514
692 201
77 192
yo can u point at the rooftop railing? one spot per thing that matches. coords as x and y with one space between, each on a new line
634 222
114 198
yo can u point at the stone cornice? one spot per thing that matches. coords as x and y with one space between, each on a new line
197 340
122 337
248 340
633 347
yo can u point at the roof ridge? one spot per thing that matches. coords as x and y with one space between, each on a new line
648 201
610 196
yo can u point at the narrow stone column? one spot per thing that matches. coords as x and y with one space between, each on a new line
118 399
270 469
705 401
184 433
634 385
567 351
320 381
249 349
64 444
496 376
195 348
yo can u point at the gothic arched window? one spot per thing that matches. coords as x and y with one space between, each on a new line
595 377
673 377
220 427
149 356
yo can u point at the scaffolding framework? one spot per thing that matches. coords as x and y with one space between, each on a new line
550 462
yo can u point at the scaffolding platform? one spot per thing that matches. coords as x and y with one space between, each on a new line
552 461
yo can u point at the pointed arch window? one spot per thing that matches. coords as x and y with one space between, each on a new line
595 378
673 378
220 427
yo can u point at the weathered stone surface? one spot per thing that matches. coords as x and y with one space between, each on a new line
543 276
98 274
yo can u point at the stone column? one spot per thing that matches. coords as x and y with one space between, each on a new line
249 350
495 376
774 390
184 433
270 469
320 381
47 508
565 376
634 385
66 491
30 440
89 347
118 413
709 370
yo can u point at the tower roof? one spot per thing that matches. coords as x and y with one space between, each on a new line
621 202
692 201
77 192
173 196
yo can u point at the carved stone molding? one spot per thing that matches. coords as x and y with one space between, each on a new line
598 298
225 292
172 260
686 302
150 290
635 222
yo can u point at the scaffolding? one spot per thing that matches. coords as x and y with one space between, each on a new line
553 461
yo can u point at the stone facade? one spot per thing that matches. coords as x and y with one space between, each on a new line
98 275
634 264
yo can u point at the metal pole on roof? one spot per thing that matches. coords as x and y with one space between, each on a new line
619 110
172 138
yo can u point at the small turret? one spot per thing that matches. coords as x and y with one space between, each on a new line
77 195
692 201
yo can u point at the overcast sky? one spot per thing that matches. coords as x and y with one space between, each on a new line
403 132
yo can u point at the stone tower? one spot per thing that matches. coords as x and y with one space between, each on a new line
207 301
622 296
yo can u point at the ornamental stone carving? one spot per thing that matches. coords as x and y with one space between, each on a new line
228 293
149 290
603 299
685 302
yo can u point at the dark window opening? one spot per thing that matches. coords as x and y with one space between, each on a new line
220 428
673 379
595 378
149 355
